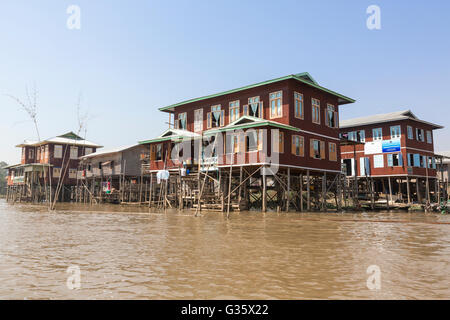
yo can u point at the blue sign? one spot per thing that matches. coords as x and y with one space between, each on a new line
391 146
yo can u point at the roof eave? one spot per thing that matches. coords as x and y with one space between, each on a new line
342 99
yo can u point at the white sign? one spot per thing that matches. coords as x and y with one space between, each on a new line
373 147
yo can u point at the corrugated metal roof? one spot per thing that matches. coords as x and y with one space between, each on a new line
108 151
68 138
381 118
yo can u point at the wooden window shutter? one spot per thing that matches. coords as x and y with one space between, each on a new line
152 152
260 139
293 144
208 120
326 117
245 111
302 146
311 148
241 141
281 142
322 150
336 120
261 109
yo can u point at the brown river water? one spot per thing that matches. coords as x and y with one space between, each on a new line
129 253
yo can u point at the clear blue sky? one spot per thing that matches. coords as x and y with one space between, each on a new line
131 57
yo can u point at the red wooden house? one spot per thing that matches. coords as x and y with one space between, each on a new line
285 124
397 149
45 163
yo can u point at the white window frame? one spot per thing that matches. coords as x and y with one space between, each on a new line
277 98
58 151
315 115
429 137
233 115
299 105
410 133
377 137
394 133
73 155
198 120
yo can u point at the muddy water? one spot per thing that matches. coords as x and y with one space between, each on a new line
141 255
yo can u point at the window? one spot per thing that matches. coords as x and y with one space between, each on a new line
198 120
57 154
234 110
38 153
158 152
87 151
298 103
420 135
278 147
317 149
42 153
56 172
216 117
410 133
331 116
359 136
276 104
31 153
23 153
377 134
298 145
378 161
46 153
332 153
429 137
251 142
254 108
417 160
315 111
432 163
410 159
423 161
395 160
73 152
395 132
182 121
72 173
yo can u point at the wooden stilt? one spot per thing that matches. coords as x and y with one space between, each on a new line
324 192
301 192
308 191
288 193
408 190
264 190
390 191
419 195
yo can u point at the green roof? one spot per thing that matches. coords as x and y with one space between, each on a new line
301 77
254 122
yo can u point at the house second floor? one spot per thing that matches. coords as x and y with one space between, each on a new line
294 100
65 148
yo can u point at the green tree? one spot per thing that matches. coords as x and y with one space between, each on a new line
2 178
